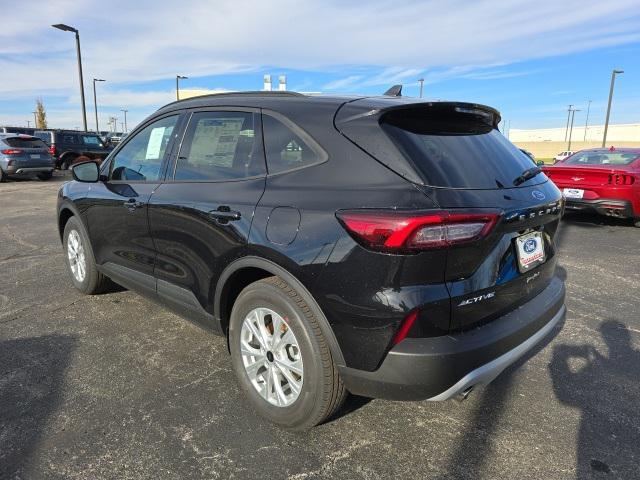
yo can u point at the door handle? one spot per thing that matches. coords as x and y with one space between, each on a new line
132 204
224 214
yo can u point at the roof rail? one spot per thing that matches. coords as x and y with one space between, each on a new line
247 93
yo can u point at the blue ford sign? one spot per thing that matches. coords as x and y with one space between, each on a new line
538 195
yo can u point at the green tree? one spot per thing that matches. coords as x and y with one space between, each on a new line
41 114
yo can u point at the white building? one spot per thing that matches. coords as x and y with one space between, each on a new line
617 133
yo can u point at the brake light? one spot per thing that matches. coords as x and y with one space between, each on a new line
52 149
621 179
406 325
397 231
12 151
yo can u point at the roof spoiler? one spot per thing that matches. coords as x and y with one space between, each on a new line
395 91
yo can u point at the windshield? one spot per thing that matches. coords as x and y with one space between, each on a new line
601 158
456 150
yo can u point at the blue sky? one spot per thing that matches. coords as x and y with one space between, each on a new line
528 59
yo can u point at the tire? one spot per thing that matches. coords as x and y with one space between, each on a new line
3 176
66 162
45 176
322 391
92 281
636 222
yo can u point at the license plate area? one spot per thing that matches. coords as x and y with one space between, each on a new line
35 156
573 193
530 251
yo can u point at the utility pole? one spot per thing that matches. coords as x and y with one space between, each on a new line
28 123
566 130
67 28
125 119
35 119
606 122
586 123
573 112
421 80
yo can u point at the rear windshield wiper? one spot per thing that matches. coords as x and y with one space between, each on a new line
528 174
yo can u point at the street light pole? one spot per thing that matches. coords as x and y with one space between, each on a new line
178 78
421 80
125 119
95 101
606 122
573 113
566 129
586 123
67 28
35 119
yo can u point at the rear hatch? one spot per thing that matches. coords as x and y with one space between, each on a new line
455 155
28 151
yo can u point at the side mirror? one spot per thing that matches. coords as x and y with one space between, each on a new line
540 163
88 172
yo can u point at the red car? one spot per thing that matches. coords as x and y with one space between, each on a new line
604 180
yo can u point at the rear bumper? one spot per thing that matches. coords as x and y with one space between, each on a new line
15 170
442 367
603 206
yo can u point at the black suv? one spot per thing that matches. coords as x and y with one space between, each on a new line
383 246
66 146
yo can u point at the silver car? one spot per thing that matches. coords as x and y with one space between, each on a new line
24 156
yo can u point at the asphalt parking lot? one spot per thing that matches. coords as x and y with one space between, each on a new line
113 386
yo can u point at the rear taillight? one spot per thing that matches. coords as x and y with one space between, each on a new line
52 149
397 231
621 179
12 151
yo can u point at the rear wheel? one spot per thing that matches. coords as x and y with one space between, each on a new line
281 358
80 261
67 161
45 176
3 176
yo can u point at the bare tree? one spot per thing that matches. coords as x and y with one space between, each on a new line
41 114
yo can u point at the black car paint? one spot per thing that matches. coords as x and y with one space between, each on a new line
180 255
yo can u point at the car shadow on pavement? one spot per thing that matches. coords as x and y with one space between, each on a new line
473 450
605 388
587 219
31 386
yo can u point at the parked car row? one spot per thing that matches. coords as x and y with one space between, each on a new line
67 146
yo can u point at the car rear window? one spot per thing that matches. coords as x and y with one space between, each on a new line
601 158
29 142
456 147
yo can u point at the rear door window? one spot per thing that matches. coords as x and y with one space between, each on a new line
287 148
70 138
220 146
602 158
18 142
91 141
456 148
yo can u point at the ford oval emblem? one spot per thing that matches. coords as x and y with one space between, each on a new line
530 245
538 195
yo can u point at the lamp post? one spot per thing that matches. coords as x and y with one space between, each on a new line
125 119
573 113
606 122
67 28
586 123
566 129
35 119
178 78
95 101
421 80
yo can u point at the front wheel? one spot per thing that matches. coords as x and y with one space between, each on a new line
281 358
80 262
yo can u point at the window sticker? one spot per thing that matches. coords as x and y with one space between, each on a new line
155 143
215 141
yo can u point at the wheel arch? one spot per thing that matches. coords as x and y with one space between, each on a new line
247 270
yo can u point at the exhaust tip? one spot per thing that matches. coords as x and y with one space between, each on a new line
462 396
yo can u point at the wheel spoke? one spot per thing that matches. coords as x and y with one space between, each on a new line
252 369
286 339
295 366
280 396
250 351
256 333
293 383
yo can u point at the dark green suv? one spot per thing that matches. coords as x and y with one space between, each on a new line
66 146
